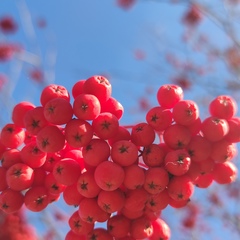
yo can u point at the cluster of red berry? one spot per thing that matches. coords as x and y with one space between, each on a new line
120 177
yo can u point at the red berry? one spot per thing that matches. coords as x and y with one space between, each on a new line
77 88
168 95
111 201
36 199
66 171
118 226
141 228
50 139
105 125
19 112
11 201
20 177
153 155
95 152
12 136
79 226
86 107
32 155
180 188
134 177
153 183
223 107
98 86
113 106
177 162
225 173
160 230
90 212
87 186
159 118
214 129
124 152
185 112
177 136
142 134
109 175
78 133
71 196
34 120
54 109
54 91
10 157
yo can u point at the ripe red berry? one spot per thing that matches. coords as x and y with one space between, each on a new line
98 86
142 134
113 106
54 91
124 152
159 201
204 180
111 201
168 95
66 171
160 230
12 136
223 151
153 183
153 155
118 226
225 173
50 139
95 152
86 107
159 118
177 136
10 157
78 133
52 185
34 120
36 199
19 112
32 155
87 186
136 200
180 188
77 88
11 201
134 176
54 109
71 196
20 177
177 162
90 212
223 106
79 226
214 129
105 125
109 175
199 148
141 228
185 112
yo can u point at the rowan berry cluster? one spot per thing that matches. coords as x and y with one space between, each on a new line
122 177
